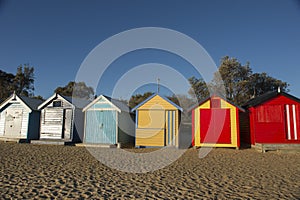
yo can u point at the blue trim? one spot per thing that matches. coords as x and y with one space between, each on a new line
136 119
171 102
168 100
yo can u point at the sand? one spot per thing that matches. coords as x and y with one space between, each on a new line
30 171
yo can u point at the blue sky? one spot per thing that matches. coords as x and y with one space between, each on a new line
56 36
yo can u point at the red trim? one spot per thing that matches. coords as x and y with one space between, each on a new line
193 128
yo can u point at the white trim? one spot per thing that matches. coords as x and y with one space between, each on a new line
96 100
295 122
54 96
9 100
288 121
47 101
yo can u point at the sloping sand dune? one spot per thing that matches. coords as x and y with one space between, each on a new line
31 171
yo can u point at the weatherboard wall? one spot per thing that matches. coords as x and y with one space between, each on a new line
57 120
153 124
105 123
274 121
27 126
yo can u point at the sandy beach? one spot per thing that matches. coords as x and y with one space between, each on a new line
30 171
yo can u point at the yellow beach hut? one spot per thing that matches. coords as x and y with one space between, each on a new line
157 122
215 123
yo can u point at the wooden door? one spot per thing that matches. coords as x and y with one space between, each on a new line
215 126
101 126
13 122
52 123
68 119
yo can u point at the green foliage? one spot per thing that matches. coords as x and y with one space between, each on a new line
6 82
78 90
198 89
22 83
238 81
233 77
138 98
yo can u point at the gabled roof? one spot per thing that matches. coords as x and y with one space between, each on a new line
149 98
268 96
117 104
76 102
31 103
215 95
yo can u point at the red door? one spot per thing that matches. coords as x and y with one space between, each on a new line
215 126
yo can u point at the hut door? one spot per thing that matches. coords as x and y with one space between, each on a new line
52 124
101 127
170 128
215 126
291 122
13 122
67 123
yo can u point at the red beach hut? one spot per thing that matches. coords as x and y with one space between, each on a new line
273 121
215 123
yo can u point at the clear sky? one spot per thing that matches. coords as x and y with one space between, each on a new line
56 36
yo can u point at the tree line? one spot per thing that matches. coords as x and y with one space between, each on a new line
238 81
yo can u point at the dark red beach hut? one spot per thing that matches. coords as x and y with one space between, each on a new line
273 120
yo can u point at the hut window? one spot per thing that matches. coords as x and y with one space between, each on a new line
215 103
57 104
269 114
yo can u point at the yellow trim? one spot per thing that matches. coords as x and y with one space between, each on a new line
233 124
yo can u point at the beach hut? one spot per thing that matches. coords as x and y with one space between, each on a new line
215 123
273 120
19 118
157 122
62 119
108 121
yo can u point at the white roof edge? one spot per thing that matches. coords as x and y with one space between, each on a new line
18 98
97 99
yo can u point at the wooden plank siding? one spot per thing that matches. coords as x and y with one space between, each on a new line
19 118
157 123
108 123
24 120
57 122
150 137
271 122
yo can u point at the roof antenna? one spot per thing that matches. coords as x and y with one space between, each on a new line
158 85
278 89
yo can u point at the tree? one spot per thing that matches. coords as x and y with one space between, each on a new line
238 81
185 103
199 88
6 82
138 98
234 78
78 90
261 82
38 97
23 82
